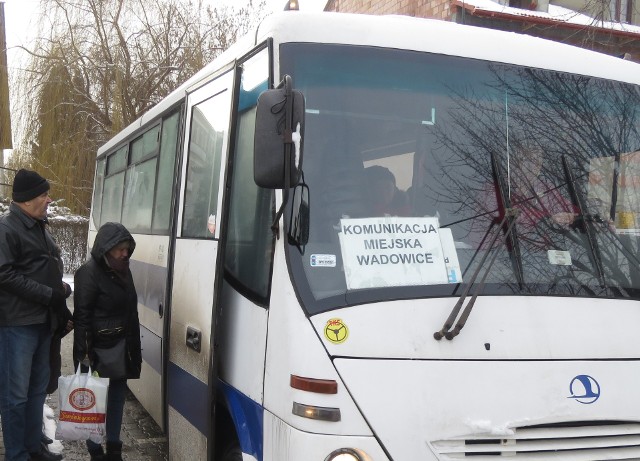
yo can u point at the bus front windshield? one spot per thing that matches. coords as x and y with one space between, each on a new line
422 168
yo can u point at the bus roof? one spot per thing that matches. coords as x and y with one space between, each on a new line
406 33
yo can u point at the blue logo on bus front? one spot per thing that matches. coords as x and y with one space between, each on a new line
585 389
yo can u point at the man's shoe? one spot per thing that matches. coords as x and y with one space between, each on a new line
97 454
114 451
43 455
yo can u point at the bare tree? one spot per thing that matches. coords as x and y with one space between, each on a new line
582 131
101 64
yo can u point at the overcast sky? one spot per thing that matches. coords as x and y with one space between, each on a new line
21 19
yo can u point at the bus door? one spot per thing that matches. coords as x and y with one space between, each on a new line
189 392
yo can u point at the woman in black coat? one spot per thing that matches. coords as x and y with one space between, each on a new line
106 325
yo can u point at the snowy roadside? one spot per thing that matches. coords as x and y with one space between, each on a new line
68 278
49 429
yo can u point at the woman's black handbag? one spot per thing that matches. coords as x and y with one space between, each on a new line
111 362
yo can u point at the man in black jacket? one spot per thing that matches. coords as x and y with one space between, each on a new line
31 294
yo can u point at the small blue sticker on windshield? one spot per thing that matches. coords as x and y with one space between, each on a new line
322 260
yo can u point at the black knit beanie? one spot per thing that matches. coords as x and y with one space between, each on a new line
27 185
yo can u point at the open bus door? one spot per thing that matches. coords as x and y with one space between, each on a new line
196 248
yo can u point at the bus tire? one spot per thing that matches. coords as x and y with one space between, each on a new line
227 446
232 452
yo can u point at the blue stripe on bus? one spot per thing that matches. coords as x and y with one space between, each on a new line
151 348
247 417
189 396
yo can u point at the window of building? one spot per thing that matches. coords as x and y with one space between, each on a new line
622 11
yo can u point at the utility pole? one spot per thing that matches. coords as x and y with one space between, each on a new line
5 107
5 111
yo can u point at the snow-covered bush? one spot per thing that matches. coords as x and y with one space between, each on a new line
68 230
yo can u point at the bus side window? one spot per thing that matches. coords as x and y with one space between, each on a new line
209 126
250 241
138 197
111 207
140 181
97 193
112 198
166 173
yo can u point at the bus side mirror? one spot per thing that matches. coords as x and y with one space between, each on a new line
279 136
298 230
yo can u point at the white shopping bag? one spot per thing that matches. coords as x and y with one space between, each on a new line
83 407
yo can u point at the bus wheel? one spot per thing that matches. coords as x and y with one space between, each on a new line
232 452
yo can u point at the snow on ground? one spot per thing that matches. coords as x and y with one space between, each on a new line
68 278
49 429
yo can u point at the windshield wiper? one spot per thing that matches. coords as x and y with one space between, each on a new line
513 243
578 200
446 331
510 239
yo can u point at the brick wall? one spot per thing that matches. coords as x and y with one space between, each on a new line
439 9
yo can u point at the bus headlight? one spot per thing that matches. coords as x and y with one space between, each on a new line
347 454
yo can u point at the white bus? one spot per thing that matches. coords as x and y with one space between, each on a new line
431 176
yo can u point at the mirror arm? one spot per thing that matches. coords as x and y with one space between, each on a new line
288 143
